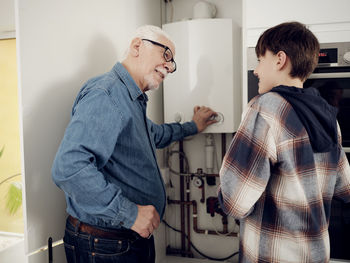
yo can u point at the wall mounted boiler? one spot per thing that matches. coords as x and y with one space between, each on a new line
204 75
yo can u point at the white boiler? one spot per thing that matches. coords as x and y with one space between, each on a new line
204 74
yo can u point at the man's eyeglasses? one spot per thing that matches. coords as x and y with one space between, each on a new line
168 55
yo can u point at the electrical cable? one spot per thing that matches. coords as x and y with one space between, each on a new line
196 249
171 152
216 156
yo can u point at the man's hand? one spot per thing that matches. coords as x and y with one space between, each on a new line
203 117
147 220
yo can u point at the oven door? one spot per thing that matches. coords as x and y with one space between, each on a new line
334 87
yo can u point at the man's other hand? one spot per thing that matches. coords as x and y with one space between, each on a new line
147 220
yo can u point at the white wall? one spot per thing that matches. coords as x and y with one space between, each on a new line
7 19
61 44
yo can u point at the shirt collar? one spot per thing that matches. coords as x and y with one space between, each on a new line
129 82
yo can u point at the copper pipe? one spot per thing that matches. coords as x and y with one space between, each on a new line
214 175
202 231
203 194
182 198
178 202
223 145
195 225
188 215
198 174
225 223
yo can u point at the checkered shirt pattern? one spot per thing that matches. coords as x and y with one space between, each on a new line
278 187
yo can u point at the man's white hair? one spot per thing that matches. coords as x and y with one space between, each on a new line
148 32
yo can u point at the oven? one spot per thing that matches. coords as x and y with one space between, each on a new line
332 78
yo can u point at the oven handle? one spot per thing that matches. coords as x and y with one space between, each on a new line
346 149
334 75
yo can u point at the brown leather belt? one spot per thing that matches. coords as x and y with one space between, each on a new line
110 234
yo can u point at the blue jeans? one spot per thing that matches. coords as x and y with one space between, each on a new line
85 248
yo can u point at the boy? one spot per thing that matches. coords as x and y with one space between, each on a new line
285 162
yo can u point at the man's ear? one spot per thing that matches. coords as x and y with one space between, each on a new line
135 47
281 59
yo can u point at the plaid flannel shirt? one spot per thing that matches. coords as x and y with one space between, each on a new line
279 189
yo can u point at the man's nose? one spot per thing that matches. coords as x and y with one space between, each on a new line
169 66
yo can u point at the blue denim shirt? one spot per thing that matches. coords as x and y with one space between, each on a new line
106 163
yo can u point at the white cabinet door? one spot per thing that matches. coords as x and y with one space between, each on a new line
267 13
329 20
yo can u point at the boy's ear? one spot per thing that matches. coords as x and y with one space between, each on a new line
135 47
281 59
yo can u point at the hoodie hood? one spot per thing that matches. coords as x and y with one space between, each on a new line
317 116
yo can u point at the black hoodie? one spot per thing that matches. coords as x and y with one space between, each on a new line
317 116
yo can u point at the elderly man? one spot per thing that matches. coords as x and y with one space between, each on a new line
106 163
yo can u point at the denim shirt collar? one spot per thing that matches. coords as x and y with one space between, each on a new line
134 91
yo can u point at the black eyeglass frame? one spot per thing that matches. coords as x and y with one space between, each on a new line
165 50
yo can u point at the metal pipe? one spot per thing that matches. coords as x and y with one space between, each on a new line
195 224
223 145
198 174
182 198
178 202
225 224
202 200
203 231
188 214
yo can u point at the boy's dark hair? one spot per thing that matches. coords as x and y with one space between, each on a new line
299 44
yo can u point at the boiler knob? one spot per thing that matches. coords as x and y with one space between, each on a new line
346 57
219 117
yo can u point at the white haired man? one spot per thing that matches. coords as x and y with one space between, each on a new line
106 163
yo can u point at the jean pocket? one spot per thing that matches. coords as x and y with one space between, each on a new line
109 247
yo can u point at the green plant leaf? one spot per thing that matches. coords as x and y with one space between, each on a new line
2 150
14 197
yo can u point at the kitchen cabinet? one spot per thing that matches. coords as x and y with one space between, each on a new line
329 20
263 14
